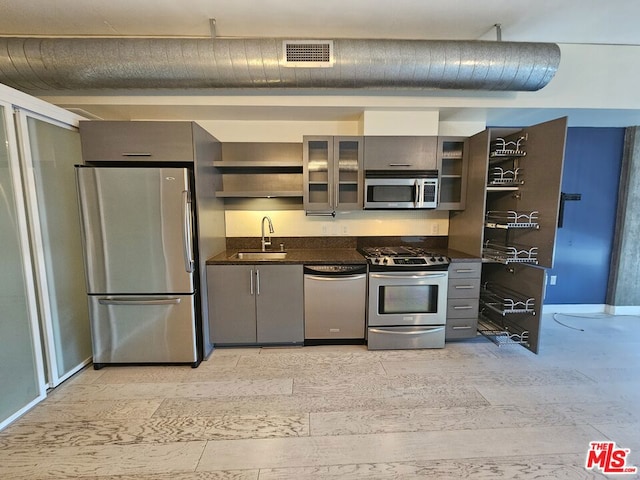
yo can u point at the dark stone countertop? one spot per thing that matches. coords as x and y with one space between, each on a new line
328 250
312 256
460 257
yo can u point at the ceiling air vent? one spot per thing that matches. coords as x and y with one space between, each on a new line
308 53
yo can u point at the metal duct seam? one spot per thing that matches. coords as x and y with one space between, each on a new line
34 64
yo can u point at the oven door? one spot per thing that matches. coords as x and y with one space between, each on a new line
407 298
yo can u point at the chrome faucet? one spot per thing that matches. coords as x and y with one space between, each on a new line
266 242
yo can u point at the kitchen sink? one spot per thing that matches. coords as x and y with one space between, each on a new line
268 255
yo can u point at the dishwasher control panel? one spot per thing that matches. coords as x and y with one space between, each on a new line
335 269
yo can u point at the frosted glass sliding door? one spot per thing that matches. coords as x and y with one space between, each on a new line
50 152
21 375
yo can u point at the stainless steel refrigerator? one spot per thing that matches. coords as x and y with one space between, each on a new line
139 250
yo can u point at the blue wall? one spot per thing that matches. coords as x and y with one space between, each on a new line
592 163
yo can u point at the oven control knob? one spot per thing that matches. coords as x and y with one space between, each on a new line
386 260
432 259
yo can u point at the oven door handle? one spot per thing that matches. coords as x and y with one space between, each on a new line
406 332
402 276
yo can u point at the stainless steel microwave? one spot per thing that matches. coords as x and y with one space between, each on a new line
387 190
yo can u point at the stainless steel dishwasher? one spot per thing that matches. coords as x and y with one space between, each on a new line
334 303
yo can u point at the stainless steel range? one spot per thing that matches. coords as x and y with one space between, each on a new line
407 298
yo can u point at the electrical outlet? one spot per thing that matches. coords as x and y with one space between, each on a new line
325 229
435 229
345 230
553 279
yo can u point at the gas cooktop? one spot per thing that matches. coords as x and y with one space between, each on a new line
405 256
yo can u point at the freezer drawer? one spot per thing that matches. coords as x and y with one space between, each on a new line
150 329
401 338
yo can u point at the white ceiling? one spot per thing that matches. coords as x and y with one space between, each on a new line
558 21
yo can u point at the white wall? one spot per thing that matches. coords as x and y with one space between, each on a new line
294 223
596 85
277 130
404 122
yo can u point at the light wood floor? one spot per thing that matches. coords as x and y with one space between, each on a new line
470 410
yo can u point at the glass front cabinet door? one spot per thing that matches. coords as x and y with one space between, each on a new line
333 174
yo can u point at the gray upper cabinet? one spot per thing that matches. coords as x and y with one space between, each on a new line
452 170
104 140
513 192
333 174
400 153
523 193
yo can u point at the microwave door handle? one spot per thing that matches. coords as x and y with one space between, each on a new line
417 203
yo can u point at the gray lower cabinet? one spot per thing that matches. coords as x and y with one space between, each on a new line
463 300
255 304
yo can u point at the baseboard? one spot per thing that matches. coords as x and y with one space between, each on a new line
623 310
591 308
574 308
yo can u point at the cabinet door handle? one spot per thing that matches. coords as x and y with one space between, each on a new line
468 327
463 287
251 282
462 307
257 281
465 270
136 154
400 164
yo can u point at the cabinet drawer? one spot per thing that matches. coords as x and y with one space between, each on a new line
464 288
465 270
462 308
461 328
104 140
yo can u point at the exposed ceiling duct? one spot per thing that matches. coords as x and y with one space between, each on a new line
63 64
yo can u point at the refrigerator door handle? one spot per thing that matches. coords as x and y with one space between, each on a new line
139 301
189 262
